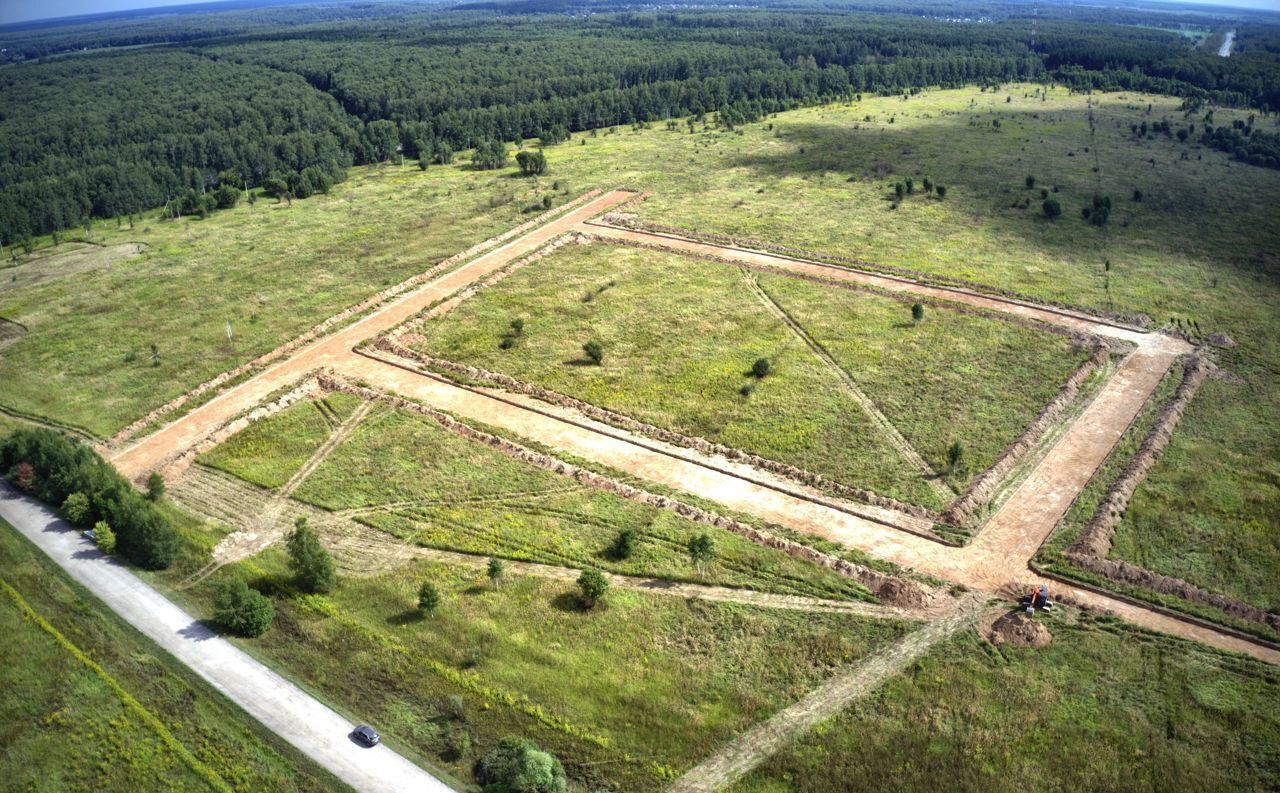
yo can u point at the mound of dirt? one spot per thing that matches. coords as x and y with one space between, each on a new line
1017 630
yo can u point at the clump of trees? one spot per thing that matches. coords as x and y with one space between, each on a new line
519 766
243 611
1099 212
53 466
490 154
532 163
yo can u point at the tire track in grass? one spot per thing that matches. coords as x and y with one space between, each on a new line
741 755
879 419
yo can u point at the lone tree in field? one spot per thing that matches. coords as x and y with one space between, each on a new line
428 598
155 486
312 566
495 571
243 611
955 456
519 766
702 550
594 352
593 586
1052 208
760 368
917 312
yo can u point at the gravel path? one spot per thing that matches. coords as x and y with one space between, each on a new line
282 707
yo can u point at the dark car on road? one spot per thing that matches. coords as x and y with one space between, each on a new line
366 735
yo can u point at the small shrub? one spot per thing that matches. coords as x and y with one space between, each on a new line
917 312
594 352
1052 208
702 550
155 486
955 456
519 766
760 368
941 190
495 571
507 342
243 611
747 389
592 585
517 327
76 509
428 598
104 537
313 569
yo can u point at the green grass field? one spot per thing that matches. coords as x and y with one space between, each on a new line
1105 707
425 485
680 335
1201 246
625 695
139 715
267 453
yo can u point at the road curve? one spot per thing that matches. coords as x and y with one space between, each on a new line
316 730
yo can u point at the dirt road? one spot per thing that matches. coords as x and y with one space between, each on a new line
997 556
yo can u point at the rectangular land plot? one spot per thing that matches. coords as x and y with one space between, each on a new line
1103 703
403 473
627 694
680 336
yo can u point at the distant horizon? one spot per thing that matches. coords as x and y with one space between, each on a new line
16 12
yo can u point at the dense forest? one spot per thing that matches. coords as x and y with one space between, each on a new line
110 118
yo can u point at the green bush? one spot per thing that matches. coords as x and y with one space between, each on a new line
428 597
104 537
760 368
155 486
593 586
76 509
519 766
243 611
312 566
1052 208
594 352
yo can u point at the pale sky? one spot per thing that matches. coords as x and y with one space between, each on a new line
24 10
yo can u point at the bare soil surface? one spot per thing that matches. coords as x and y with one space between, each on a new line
997 556
1016 629
75 260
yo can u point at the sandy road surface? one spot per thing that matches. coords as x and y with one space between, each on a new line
997 556
282 707
330 350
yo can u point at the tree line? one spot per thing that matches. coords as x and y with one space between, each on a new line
246 101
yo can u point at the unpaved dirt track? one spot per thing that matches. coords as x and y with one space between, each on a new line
752 747
282 707
997 556
331 350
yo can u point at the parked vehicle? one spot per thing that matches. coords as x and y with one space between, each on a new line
366 735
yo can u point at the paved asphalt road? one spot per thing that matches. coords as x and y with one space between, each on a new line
285 709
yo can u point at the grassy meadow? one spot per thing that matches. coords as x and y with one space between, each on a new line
1105 707
1201 248
680 335
138 715
626 694
403 474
